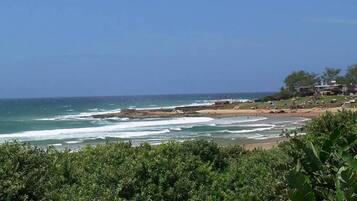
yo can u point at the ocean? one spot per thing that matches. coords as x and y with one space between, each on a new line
66 122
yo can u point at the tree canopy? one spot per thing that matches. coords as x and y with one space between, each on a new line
299 79
351 75
330 74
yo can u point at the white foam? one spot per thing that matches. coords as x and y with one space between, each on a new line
283 122
137 133
109 130
80 116
295 121
227 121
304 119
156 143
256 125
298 134
74 142
257 137
239 100
176 129
195 104
248 130
301 121
118 118
96 111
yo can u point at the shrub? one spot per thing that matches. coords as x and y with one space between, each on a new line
197 170
326 165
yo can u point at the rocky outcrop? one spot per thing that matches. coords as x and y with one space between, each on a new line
158 113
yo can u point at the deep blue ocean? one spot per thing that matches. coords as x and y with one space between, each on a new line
63 122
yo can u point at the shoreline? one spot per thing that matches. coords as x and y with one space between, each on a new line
309 113
210 111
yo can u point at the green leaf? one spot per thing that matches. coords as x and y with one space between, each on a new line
312 147
351 161
340 195
326 150
301 189
328 145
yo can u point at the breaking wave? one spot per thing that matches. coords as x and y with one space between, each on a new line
80 116
248 130
115 130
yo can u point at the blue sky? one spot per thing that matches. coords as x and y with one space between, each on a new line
116 47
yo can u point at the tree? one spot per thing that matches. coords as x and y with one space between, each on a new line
299 79
330 74
341 80
351 75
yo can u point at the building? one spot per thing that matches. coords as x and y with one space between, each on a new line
349 89
329 89
326 89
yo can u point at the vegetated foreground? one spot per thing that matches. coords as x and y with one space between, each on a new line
319 166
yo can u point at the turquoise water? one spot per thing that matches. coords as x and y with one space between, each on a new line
67 121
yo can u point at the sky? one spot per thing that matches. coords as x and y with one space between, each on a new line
127 47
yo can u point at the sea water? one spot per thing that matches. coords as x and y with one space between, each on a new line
66 122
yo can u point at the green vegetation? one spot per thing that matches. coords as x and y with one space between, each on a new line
299 102
326 160
331 74
351 75
298 79
197 170
318 166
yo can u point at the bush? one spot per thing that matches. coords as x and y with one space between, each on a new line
24 172
326 165
198 170
283 94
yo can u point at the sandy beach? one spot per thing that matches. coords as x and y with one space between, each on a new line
216 112
313 112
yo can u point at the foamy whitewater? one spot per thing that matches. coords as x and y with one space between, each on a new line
64 122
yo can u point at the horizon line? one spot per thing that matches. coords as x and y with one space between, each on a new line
138 95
